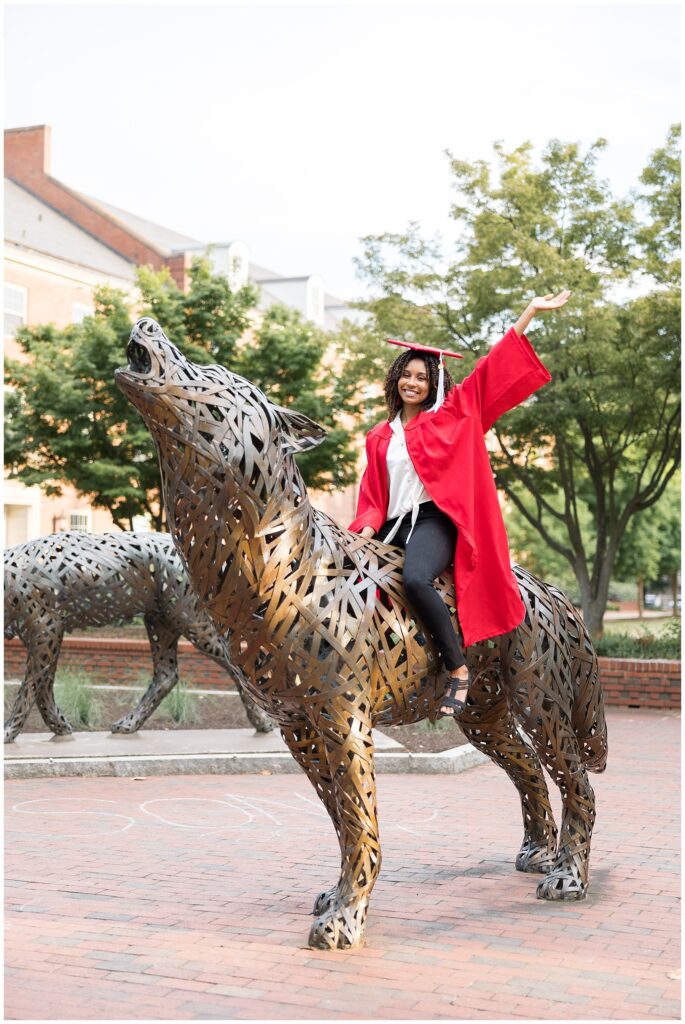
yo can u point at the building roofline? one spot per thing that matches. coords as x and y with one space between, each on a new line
26 128
103 212
281 280
61 213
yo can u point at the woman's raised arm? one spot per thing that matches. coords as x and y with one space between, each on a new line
539 305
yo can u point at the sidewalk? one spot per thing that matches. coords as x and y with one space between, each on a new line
196 752
189 897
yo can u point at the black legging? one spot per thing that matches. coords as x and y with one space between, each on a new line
428 553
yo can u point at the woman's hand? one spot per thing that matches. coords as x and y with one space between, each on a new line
549 302
539 305
368 532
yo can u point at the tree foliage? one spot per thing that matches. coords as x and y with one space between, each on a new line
650 548
68 423
598 444
660 234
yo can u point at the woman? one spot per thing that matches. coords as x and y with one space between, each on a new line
428 487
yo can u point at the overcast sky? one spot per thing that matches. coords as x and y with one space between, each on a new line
300 128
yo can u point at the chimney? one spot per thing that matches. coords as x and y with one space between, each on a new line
27 152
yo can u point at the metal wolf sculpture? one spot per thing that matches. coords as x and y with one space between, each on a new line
329 645
67 580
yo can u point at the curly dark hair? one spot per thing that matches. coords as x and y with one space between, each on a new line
395 371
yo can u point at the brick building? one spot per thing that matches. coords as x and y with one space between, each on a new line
59 246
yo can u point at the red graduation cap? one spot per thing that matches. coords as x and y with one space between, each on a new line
439 352
426 348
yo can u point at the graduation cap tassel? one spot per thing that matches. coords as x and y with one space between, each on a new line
440 396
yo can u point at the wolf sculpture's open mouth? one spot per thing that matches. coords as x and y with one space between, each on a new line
138 358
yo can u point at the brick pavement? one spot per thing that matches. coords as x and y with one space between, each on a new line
188 897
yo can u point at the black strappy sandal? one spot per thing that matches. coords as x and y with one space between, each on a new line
449 700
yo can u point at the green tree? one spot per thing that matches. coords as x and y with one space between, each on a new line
530 549
67 422
605 433
286 360
660 235
650 547
205 322
361 360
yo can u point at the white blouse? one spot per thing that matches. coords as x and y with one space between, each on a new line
405 490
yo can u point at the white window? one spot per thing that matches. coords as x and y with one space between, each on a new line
317 305
238 274
237 265
79 311
315 300
15 308
80 520
16 524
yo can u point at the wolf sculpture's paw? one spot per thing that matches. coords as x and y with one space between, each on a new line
535 857
561 884
324 901
339 927
128 724
11 733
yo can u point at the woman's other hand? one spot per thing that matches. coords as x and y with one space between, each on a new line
368 532
544 302
539 305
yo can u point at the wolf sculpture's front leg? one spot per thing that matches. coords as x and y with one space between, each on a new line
309 750
164 647
348 742
42 654
43 650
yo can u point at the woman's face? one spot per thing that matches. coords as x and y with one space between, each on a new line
414 383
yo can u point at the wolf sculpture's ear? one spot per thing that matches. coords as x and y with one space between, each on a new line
300 434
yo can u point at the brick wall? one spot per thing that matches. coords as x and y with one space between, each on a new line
625 681
638 683
179 268
122 662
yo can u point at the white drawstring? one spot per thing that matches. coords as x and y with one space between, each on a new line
414 515
439 396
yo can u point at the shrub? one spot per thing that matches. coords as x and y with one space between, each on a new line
76 698
643 645
180 705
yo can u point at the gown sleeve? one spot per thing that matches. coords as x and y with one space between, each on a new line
370 504
501 379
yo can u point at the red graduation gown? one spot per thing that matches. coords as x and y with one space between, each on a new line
447 449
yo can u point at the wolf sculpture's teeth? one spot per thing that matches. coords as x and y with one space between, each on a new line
138 358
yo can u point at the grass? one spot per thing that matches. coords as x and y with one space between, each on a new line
180 705
635 627
439 725
77 700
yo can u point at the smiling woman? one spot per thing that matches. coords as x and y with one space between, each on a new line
429 488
